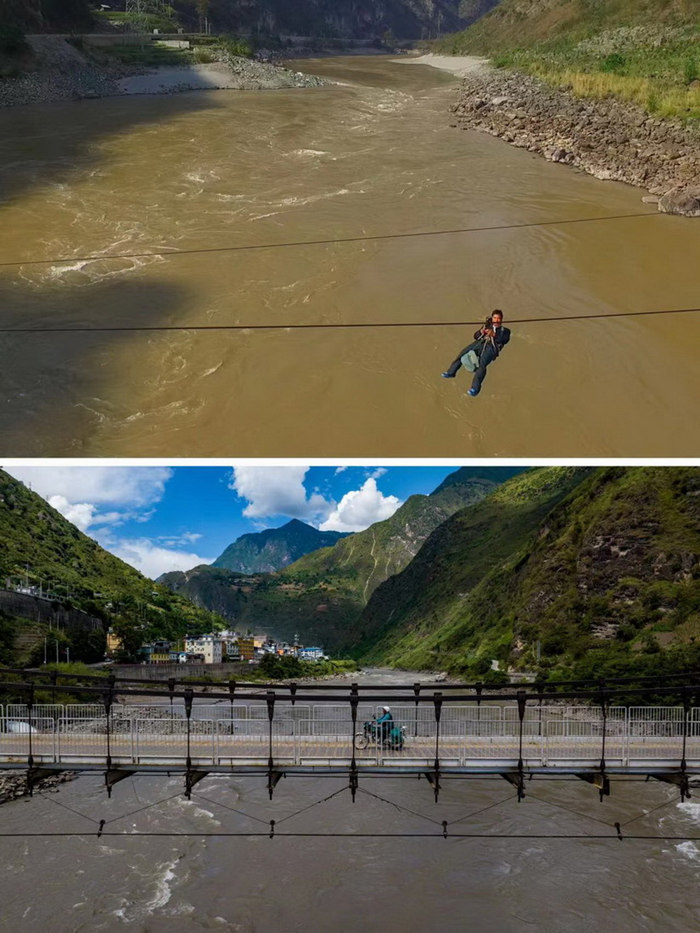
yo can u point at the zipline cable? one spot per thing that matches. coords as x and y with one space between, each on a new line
246 247
613 836
335 326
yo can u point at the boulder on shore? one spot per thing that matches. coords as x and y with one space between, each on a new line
681 200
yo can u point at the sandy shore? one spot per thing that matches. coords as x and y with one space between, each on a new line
459 65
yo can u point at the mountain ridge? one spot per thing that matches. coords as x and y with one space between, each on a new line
274 548
318 595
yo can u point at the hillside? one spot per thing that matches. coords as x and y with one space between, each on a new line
275 548
600 567
38 544
643 51
321 594
523 23
336 18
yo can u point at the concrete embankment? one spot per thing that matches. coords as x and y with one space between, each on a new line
610 138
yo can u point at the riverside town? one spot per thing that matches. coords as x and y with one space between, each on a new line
217 648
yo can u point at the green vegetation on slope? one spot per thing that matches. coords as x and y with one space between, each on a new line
598 569
645 51
39 544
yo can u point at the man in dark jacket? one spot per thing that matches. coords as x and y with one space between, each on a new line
489 340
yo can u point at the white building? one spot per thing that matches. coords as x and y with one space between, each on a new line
209 646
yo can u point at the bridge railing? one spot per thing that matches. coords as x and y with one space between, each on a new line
308 733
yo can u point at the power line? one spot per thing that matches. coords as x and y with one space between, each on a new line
322 242
335 326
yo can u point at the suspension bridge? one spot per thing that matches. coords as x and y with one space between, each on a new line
437 731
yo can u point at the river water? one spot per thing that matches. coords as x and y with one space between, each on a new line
254 884
372 155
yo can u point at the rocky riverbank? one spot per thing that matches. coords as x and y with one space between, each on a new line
610 138
60 71
13 784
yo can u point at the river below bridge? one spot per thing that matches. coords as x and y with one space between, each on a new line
370 156
198 880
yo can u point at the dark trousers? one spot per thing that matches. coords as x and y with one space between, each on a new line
486 354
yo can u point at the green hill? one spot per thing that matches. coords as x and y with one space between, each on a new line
646 51
599 570
275 548
38 544
320 595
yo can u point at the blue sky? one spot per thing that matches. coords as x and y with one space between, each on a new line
172 518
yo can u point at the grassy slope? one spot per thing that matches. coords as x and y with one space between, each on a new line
646 51
600 579
37 540
413 620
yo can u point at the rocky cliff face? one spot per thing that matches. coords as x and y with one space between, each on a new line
610 138
338 18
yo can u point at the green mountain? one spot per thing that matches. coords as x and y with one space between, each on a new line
275 548
595 570
38 545
319 596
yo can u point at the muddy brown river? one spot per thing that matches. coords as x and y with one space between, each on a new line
371 156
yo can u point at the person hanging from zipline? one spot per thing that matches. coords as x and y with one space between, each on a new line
489 340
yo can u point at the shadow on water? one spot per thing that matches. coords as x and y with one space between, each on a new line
54 384
38 148
50 381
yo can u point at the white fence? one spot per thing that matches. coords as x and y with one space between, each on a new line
231 733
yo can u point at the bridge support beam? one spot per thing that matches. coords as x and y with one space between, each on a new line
192 778
517 779
114 776
679 779
37 775
273 779
599 780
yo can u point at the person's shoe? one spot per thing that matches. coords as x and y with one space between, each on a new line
472 392
448 375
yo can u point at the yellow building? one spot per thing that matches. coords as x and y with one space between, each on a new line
114 643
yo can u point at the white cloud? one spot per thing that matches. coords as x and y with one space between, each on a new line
278 490
360 508
77 492
81 514
152 559
187 537
118 486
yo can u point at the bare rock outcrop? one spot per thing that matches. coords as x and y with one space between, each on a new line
610 138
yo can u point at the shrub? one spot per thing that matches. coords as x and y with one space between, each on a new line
235 45
12 40
690 70
204 56
613 63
